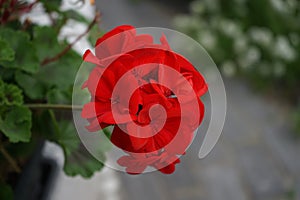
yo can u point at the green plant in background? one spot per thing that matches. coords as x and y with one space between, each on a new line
37 71
257 39
296 118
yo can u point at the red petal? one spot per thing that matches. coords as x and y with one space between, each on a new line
94 109
113 32
114 42
169 169
121 139
125 161
164 42
88 56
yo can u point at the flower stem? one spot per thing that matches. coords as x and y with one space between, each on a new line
54 106
10 159
65 50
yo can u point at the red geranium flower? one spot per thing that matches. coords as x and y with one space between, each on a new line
148 110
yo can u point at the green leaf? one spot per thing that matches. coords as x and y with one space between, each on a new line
10 94
43 124
68 137
72 14
81 162
94 34
7 74
22 150
33 88
25 52
64 70
78 161
52 5
6 192
45 40
16 124
56 96
61 73
6 52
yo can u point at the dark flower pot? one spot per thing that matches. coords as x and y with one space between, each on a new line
37 178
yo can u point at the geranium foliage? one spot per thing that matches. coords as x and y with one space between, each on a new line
36 68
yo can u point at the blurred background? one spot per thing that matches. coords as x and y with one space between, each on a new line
256 45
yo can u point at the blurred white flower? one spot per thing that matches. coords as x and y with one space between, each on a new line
207 39
228 68
181 21
241 1
252 55
240 44
211 6
283 49
187 22
197 7
248 59
230 28
67 32
85 9
195 23
37 15
261 36
280 5
292 4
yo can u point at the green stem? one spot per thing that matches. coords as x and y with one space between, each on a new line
54 106
10 159
65 50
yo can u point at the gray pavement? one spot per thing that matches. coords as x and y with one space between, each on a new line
138 13
257 156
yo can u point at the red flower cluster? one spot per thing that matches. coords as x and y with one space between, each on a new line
151 95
